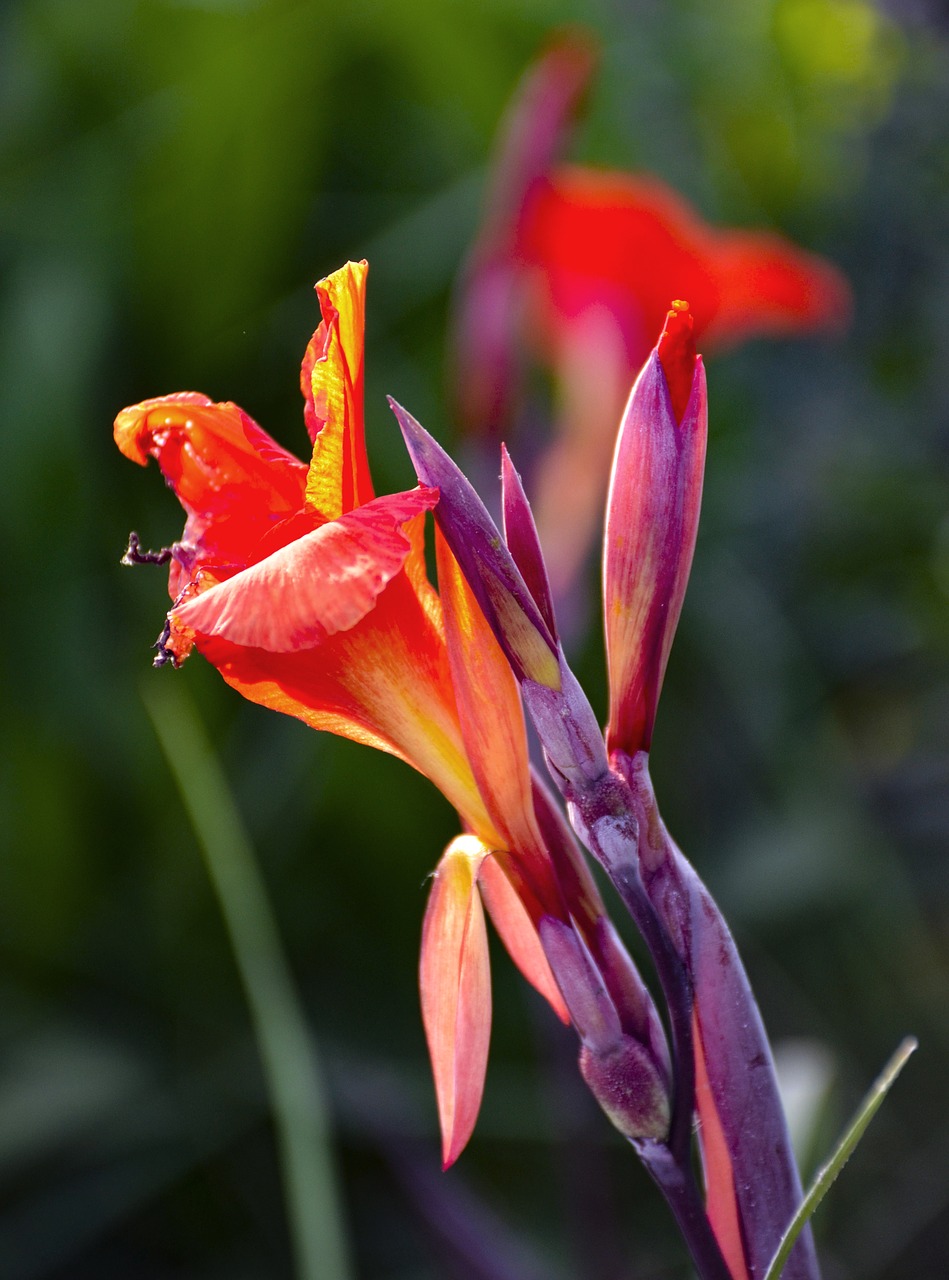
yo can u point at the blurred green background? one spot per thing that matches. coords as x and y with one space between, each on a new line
175 176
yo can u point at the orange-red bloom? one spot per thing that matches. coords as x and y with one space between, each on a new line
310 596
279 560
578 266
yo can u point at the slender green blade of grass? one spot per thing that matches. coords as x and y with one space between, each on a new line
287 1050
828 1172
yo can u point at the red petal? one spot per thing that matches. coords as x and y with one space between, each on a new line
233 480
767 285
455 985
629 244
322 583
676 350
632 243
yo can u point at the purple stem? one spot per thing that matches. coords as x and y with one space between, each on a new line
678 1185
612 809
603 818
614 844
736 1051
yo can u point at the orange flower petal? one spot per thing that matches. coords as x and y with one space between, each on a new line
211 454
721 1203
492 725
335 625
321 583
455 985
332 383
384 682
516 930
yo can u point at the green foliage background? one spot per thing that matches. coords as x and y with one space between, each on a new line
175 175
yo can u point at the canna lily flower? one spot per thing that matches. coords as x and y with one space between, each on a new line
278 560
310 596
578 265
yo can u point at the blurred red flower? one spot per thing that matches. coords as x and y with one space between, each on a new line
577 266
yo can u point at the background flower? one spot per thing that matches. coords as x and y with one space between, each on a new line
575 268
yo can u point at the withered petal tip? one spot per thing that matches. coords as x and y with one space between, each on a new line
135 555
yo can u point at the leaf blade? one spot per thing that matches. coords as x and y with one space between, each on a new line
827 1173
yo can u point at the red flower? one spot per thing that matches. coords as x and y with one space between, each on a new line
279 560
578 266
310 596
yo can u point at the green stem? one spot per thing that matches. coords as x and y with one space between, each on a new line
290 1062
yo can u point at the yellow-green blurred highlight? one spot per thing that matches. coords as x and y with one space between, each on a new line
287 1050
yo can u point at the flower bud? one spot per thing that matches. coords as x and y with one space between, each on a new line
624 1074
651 523
630 1090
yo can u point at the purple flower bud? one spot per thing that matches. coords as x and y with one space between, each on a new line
622 1072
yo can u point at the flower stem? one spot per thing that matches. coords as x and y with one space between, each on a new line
677 1183
290 1062
669 1162
617 849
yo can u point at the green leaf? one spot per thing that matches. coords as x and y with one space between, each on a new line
287 1049
827 1173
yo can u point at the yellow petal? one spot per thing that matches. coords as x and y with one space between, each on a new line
332 381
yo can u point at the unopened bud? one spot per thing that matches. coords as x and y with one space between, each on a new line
651 523
628 1085
626 1076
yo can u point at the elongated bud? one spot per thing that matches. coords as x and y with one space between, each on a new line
562 715
621 1071
651 524
520 534
488 566
625 1083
